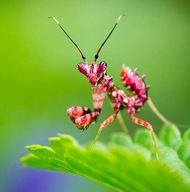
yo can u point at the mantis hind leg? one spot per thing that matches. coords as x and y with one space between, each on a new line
155 110
149 127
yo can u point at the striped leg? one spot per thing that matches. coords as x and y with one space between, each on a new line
148 126
104 124
142 123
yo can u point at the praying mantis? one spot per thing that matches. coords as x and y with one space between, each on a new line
102 84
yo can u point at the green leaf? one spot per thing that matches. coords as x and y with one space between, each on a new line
184 149
171 136
124 164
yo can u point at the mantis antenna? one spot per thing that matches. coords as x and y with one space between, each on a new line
82 54
97 54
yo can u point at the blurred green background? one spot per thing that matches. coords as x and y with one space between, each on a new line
39 79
